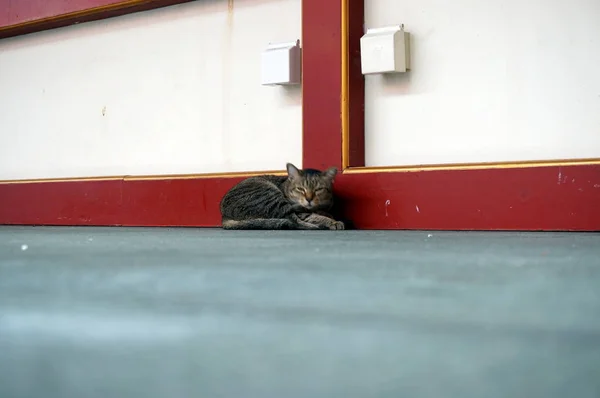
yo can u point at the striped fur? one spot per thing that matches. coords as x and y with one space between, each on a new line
298 201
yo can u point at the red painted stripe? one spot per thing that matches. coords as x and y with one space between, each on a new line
322 78
20 11
19 17
538 198
193 202
62 203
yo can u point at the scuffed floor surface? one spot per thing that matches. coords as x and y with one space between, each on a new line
169 313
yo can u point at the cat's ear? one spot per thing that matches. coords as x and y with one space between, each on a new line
330 173
292 170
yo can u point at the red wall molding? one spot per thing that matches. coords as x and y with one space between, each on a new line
171 202
18 17
534 198
549 198
62 203
543 197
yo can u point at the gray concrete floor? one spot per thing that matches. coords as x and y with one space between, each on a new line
125 312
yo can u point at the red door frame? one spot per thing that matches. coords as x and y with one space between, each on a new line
548 195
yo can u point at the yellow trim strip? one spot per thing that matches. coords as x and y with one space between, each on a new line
146 177
69 179
203 176
472 166
345 105
350 170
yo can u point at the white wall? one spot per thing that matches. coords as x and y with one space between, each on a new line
497 80
175 90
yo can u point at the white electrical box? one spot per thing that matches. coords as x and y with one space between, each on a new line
385 50
282 64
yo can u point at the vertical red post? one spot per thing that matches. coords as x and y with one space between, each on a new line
333 85
322 83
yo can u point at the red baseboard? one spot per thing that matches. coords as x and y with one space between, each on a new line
176 202
522 199
534 198
62 203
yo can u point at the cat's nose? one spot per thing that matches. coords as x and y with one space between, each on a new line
309 196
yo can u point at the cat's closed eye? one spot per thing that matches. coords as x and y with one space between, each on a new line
300 189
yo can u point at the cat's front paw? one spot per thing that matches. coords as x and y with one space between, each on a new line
337 225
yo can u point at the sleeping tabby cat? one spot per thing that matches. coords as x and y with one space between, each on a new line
299 201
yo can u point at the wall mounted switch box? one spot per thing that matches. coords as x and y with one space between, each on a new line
385 50
281 64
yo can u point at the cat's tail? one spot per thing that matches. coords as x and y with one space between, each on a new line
261 223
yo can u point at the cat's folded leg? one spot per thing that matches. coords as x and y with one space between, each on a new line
261 223
321 221
303 223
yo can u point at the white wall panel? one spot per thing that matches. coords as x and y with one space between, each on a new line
174 90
